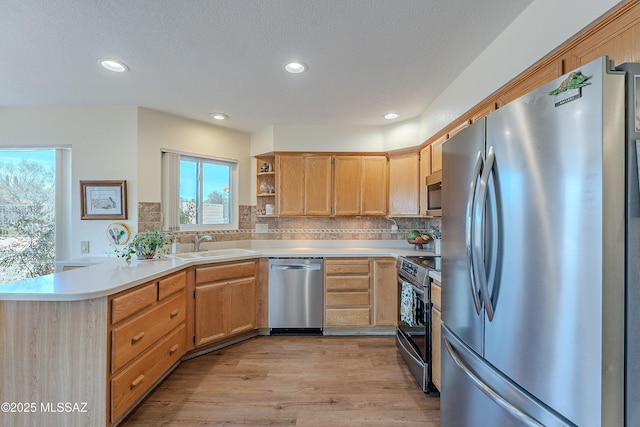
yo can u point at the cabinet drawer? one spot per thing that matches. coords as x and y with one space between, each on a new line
132 302
343 283
223 272
347 298
172 284
436 294
347 317
135 336
347 266
131 383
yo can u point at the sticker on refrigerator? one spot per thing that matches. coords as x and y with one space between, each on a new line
570 89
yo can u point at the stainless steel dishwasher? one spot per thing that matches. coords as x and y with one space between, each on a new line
295 295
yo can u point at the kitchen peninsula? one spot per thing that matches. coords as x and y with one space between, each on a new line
57 332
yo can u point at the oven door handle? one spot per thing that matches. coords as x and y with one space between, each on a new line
408 351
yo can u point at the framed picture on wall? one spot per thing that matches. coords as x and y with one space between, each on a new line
103 199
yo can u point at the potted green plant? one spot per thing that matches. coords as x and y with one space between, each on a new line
146 245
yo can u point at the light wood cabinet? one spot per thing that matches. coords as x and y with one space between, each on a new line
404 177
290 185
318 186
360 185
436 333
374 186
304 185
425 171
385 291
147 331
225 301
436 154
348 185
347 292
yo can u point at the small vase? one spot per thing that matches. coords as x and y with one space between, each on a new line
145 253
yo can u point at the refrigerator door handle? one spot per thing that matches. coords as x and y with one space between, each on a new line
468 232
525 419
478 233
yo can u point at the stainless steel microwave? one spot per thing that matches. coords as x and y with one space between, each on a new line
433 189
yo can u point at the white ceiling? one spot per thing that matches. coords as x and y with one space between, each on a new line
193 57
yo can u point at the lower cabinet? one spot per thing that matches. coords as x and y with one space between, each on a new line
225 301
347 292
436 333
147 332
360 292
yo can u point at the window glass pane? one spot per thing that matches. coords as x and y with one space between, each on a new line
27 213
188 191
215 183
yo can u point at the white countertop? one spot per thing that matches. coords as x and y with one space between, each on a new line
103 276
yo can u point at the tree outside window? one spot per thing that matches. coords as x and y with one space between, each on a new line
27 213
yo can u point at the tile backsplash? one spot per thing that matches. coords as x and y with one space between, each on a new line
296 228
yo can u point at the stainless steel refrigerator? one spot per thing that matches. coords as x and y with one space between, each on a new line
541 258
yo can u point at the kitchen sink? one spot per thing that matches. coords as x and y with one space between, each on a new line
213 254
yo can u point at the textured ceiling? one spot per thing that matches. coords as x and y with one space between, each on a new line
193 57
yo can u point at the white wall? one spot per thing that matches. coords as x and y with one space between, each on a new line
328 138
159 130
540 29
103 147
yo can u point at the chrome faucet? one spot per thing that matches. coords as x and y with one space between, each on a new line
196 246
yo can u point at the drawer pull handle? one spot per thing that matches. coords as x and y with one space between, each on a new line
174 313
137 338
174 348
137 381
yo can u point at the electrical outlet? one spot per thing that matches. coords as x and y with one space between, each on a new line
394 227
84 247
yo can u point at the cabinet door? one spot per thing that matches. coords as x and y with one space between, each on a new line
242 305
374 185
436 329
318 188
425 171
211 312
348 176
385 292
436 154
290 178
404 174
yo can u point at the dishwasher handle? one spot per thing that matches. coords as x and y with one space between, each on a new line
295 266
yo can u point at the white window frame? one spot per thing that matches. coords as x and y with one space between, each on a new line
171 191
63 194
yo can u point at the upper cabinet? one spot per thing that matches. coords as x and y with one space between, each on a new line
290 185
304 185
360 185
436 154
348 179
374 185
425 171
404 185
318 186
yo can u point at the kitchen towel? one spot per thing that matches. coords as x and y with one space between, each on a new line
408 304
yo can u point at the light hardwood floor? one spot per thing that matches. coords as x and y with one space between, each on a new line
301 381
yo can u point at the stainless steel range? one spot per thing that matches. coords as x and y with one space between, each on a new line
413 331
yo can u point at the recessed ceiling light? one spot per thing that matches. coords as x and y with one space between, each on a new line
390 116
295 67
114 66
218 116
